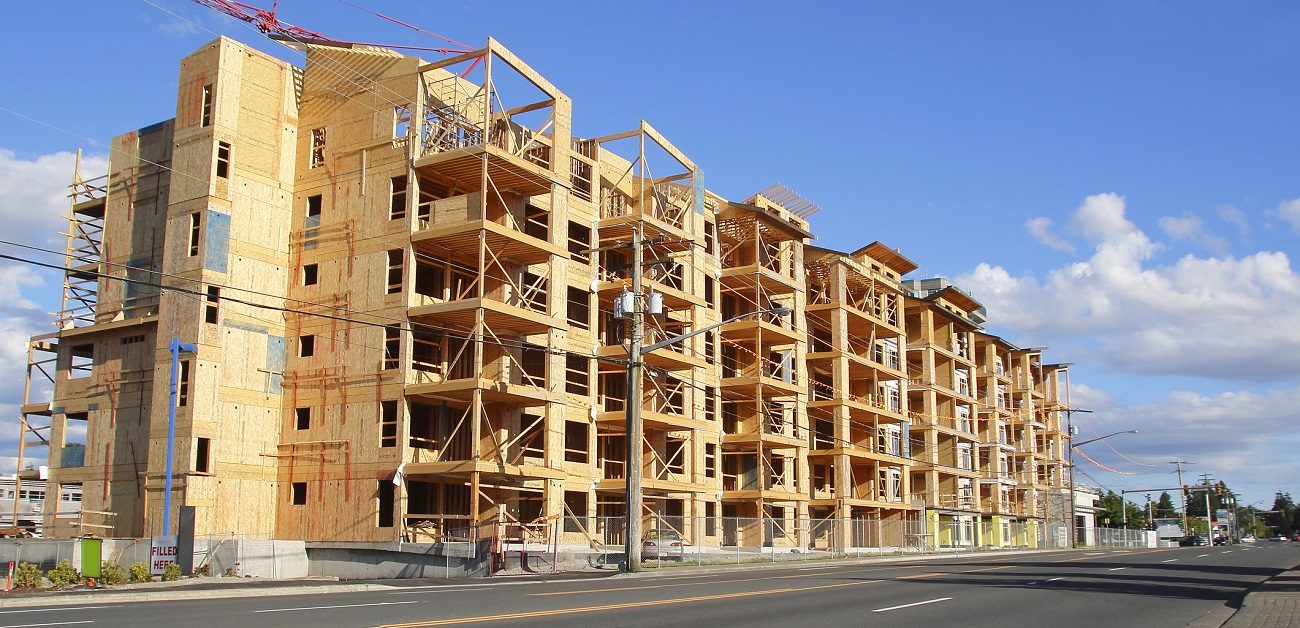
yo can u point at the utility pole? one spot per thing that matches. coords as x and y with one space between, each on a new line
1069 435
1209 516
634 412
1182 489
629 305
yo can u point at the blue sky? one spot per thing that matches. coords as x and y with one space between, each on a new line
1114 180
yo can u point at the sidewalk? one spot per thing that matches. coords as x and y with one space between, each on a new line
212 587
1274 604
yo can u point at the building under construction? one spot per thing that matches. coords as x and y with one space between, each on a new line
388 286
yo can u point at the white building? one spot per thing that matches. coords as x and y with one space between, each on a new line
1085 514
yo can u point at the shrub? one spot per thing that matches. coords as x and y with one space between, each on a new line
63 574
139 572
113 573
28 576
171 573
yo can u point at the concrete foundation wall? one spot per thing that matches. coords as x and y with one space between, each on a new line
356 561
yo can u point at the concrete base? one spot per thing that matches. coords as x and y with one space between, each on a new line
358 561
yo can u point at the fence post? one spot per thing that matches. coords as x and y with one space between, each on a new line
880 536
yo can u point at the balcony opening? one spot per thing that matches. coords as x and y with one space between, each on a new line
824 434
613 391
430 191
202 453
384 494
314 203
675 456
211 310
433 428
196 222
81 361
579 242
532 438
730 416
223 160
710 395
397 198
533 365
392 351
579 303
396 269
575 441
537 222
317 147
388 423
577 374
206 116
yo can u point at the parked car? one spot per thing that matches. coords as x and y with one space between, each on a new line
662 544
1220 540
1194 540
1279 539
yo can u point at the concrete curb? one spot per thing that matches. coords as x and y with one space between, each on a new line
109 596
827 562
264 588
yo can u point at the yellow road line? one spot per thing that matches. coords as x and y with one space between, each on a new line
922 575
805 575
695 584
610 607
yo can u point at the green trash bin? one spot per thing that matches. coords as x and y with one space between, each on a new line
92 558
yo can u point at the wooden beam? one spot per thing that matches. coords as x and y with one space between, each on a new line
667 146
524 70
541 104
461 58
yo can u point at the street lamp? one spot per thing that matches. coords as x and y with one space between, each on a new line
1093 440
1069 418
632 544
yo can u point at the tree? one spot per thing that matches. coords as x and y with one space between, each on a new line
1111 507
1284 520
1164 509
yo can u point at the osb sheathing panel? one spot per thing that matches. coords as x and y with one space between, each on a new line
230 400
135 211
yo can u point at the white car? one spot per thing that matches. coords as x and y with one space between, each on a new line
662 544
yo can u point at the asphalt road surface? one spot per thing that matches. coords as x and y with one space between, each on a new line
1149 588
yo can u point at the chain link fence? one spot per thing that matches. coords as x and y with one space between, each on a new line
737 540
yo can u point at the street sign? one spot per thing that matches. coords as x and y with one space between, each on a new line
162 552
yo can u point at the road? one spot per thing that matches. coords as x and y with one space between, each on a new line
1150 588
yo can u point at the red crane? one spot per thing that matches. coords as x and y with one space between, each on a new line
268 23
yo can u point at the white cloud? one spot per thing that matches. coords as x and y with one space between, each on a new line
1101 217
1190 229
1233 216
1041 229
1245 438
1289 211
1224 317
35 195
1180 228
1085 396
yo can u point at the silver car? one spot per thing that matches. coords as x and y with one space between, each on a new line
662 544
